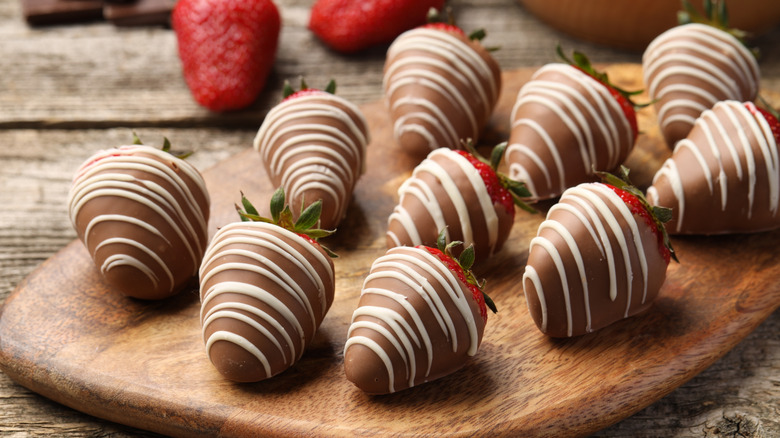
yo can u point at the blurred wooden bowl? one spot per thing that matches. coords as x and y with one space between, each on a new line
632 24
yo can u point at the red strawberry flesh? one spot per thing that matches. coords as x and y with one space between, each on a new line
353 25
445 27
227 49
301 93
453 266
774 124
637 209
498 193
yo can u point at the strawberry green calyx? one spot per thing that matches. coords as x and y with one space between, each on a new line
282 216
288 90
581 61
464 262
715 14
516 189
166 147
656 214
446 21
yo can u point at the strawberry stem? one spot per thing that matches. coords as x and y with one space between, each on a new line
517 189
282 216
581 61
465 262
716 14
166 147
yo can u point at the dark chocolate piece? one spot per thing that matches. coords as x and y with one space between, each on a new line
139 12
50 12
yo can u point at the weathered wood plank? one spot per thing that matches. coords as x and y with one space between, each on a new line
97 76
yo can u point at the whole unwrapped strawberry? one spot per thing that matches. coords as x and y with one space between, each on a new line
353 25
227 49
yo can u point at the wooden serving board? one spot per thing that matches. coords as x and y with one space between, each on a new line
66 336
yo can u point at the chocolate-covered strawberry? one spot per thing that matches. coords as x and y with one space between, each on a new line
725 176
265 287
421 316
568 122
142 214
689 68
313 145
461 193
441 86
600 256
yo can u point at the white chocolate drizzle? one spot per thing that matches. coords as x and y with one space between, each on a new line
691 67
128 173
596 208
559 98
315 142
444 66
446 186
264 253
729 145
409 267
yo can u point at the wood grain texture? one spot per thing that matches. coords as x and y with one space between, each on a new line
64 335
70 90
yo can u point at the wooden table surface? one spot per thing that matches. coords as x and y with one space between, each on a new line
68 91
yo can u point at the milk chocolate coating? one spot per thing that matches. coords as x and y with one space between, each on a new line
565 125
314 146
142 214
592 263
724 177
441 88
446 190
689 68
264 292
415 322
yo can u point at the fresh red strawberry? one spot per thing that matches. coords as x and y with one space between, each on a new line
568 122
265 287
691 67
142 214
353 25
461 192
227 49
313 144
421 315
437 99
600 256
724 176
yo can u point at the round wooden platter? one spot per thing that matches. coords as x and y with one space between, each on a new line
65 335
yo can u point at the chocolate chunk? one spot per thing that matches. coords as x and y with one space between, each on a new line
139 12
49 12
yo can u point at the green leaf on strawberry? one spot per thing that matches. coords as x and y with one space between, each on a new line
517 189
465 261
288 90
282 216
166 147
